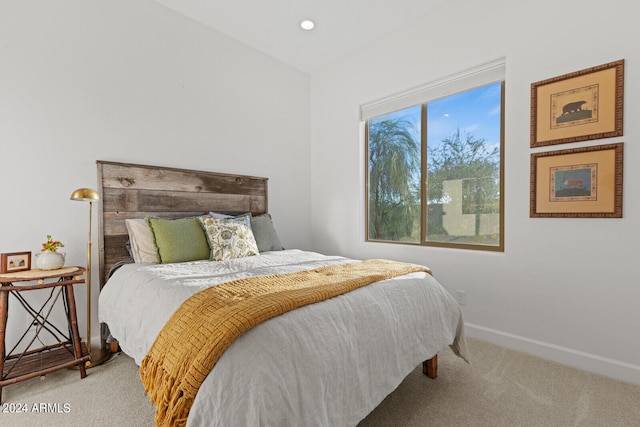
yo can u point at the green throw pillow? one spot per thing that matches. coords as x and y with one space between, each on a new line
265 233
178 240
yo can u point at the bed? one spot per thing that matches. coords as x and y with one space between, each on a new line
328 363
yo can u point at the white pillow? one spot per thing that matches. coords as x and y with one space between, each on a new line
217 215
143 248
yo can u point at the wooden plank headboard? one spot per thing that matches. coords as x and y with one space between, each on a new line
136 191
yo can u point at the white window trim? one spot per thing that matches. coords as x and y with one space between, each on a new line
482 75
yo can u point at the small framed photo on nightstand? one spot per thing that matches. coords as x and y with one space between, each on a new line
15 261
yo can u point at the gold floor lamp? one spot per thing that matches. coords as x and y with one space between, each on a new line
99 355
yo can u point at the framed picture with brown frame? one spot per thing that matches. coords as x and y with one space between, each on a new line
579 106
577 183
15 261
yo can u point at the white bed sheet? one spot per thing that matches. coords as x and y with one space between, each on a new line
327 364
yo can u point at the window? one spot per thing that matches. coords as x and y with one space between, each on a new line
435 169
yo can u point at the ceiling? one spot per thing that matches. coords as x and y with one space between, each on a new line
273 26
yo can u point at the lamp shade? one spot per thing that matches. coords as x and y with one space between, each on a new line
85 195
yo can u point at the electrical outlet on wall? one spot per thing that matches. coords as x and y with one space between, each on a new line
461 296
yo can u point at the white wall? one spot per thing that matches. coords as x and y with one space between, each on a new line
133 81
564 289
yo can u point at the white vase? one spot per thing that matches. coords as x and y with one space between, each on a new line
50 260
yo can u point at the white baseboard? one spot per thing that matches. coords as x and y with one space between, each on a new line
566 356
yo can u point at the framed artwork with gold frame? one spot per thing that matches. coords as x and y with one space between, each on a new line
577 183
579 106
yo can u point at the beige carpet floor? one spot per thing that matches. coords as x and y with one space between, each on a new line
500 388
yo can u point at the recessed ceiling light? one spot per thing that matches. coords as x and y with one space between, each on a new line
307 25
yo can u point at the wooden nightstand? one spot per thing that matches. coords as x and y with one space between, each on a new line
67 351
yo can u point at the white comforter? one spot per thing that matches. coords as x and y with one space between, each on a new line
327 364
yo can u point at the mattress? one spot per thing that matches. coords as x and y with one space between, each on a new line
327 364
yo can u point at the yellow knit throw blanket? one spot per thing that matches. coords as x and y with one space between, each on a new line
206 324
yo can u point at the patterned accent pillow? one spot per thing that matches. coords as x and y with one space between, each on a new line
228 239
